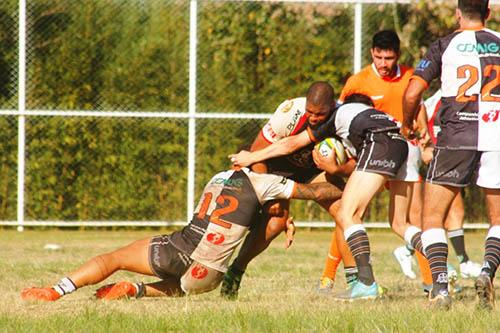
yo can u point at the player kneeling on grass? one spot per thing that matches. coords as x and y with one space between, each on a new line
193 260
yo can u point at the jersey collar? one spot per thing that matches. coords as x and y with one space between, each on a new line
397 76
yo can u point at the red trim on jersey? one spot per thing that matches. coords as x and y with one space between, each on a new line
430 122
264 137
302 120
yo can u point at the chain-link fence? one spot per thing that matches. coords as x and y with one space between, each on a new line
110 122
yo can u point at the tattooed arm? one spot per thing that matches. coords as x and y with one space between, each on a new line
317 192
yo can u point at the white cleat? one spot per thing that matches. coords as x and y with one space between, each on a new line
470 270
405 260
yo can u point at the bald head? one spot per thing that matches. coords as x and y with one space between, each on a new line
321 93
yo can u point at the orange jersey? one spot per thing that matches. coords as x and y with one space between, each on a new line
386 93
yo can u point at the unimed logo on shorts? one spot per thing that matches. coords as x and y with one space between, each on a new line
215 238
383 163
199 272
449 174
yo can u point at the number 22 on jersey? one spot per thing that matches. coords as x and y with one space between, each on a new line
471 73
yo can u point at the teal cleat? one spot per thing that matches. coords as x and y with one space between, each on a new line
359 291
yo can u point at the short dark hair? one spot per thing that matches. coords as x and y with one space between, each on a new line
386 40
359 98
474 9
321 93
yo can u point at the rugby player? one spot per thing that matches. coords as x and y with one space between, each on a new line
371 136
292 117
385 81
455 218
468 64
192 260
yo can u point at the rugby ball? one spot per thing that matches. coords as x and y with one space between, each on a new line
332 146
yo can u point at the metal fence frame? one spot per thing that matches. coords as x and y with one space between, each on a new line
192 115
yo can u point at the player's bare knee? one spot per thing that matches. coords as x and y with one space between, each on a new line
200 279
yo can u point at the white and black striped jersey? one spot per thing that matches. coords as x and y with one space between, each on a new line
229 205
468 63
352 122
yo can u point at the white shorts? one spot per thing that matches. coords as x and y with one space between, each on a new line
488 171
409 171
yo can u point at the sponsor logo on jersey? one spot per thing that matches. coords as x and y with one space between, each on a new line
377 97
423 64
199 272
283 181
383 163
480 48
292 123
287 107
238 183
215 238
491 116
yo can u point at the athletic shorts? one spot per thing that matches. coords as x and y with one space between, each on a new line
453 167
409 171
488 174
383 153
165 260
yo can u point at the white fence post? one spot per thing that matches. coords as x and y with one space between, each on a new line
21 119
193 26
358 36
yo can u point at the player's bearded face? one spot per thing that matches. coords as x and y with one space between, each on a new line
385 61
317 114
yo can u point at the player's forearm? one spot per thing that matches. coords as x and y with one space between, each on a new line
282 147
411 102
317 192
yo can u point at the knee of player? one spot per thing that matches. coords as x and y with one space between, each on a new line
200 279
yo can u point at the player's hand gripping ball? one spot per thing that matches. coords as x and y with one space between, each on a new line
331 146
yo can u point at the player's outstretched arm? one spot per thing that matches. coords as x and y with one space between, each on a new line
317 192
282 147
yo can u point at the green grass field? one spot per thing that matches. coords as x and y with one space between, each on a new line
278 292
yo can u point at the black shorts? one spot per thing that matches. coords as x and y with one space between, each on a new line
382 153
452 167
165 259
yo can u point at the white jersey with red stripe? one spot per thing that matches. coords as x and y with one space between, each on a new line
432 105
289 119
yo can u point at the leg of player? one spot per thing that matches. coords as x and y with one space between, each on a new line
484 283
339 250
360 189
399 206
415 218
437 201
257 240
454 224
133 257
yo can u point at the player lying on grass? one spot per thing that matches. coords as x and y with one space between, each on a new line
373 137
192 260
